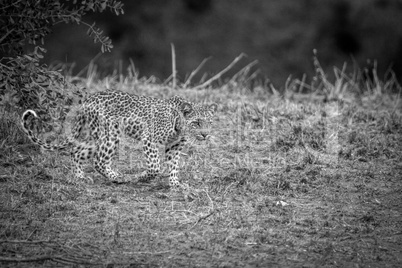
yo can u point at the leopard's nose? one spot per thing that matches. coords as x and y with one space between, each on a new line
203 135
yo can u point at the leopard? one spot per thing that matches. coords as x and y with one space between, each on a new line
108 115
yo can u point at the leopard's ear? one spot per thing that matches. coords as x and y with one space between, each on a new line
186 108
213 108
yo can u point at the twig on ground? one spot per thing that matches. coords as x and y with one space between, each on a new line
59 259
244 70
193 73
67 256
24 241
218 75
149 252
210 199
203 218
29 259
212 210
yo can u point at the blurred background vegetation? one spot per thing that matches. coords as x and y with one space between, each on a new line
280 34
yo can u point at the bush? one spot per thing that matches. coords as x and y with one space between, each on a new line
24 82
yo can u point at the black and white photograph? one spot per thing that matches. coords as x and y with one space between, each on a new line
201 133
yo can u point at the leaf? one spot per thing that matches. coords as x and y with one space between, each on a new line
103 6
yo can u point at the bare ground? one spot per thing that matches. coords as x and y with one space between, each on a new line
269 190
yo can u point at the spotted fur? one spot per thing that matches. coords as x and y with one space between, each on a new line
107 115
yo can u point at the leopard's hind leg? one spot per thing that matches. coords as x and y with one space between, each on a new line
106 151
80 154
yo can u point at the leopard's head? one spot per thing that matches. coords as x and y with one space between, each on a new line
198 120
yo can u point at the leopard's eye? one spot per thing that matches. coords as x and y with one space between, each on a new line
197 123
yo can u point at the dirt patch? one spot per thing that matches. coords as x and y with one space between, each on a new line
266 192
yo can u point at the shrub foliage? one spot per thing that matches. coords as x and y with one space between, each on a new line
24 82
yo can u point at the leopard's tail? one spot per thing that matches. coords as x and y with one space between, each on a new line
35 139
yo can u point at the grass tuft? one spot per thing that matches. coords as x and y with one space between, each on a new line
305 177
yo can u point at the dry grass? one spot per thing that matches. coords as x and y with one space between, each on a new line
299 180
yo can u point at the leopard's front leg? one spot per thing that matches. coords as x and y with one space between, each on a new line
172 153
152 155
